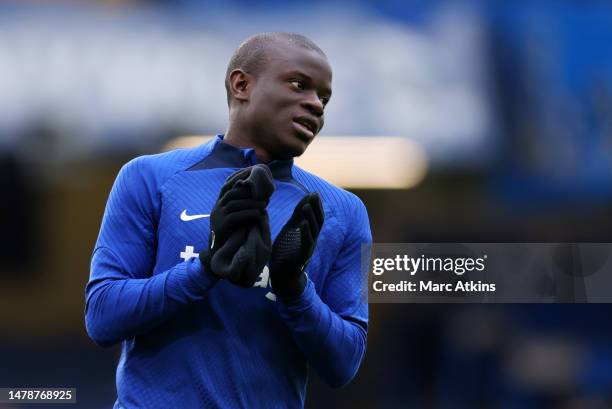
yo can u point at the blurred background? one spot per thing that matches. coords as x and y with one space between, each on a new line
492 122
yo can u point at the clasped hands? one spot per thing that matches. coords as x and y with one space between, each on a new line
239 244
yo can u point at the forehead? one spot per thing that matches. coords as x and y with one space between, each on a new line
285 58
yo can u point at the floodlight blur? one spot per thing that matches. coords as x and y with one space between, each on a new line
374 162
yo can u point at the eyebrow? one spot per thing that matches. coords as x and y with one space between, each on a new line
327 91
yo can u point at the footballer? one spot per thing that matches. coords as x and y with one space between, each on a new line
225 271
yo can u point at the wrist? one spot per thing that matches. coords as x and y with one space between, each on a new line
198 275
289 288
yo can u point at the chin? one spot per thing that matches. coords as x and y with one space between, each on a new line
297 149
291 148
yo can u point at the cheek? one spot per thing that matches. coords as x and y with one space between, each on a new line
279 95
271 104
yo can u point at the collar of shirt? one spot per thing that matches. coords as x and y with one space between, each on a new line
225 155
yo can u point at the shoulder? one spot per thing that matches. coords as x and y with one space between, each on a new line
156 169
344 204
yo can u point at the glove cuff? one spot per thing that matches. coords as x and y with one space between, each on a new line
290 288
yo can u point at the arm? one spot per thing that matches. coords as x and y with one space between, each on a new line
331 330
123 299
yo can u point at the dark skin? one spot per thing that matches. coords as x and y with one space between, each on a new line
279 111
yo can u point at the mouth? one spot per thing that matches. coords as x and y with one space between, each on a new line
307 125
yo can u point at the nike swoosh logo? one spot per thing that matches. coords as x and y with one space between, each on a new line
189 217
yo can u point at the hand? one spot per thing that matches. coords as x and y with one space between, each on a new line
239 239
294 245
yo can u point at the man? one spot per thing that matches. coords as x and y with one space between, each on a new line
219 328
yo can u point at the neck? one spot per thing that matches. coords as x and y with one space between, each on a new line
238 137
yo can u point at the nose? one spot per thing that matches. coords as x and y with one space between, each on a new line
313 104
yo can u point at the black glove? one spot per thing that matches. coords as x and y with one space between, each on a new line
293 247
239 240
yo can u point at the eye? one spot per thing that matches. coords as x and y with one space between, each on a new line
297 84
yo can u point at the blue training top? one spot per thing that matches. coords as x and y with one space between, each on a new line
190 340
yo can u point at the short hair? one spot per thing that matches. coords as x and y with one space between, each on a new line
251 55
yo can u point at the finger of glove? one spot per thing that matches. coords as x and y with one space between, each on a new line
255 253
297 216
317 208
223 262
244 204
235 193
259 182
311 218
262 226
233 178
308 239
224 223
241 218
291 253
230 243
259 240
265 168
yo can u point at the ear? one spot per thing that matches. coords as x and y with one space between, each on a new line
240 84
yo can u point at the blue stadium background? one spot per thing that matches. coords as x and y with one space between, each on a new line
511 103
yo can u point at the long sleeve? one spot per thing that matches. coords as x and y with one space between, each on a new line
123 297
331 329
